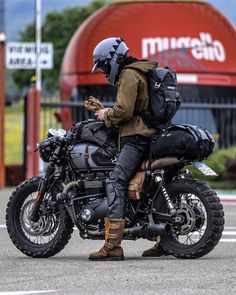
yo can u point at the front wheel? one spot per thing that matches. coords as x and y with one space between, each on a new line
200 215
49 234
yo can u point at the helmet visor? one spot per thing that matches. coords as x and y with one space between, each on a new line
102 66
95 67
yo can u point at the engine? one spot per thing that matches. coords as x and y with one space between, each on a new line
87 202
94 212
89 198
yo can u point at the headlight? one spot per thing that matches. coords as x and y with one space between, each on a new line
46 148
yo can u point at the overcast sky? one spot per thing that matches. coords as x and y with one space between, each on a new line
19 13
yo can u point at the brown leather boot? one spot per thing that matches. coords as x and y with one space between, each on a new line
112 249
155 251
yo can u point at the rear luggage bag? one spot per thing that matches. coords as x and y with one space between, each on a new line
182 140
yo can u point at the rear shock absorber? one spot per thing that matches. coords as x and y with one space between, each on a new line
159 180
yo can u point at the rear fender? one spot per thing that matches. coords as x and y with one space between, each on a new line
204 168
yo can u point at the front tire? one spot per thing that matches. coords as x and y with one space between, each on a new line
49 234
202 217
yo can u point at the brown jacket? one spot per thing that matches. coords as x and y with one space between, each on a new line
132 95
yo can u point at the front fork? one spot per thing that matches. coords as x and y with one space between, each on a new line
34 214
43 185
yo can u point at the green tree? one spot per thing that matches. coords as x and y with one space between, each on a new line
57 28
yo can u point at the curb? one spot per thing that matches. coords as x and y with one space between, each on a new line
227 197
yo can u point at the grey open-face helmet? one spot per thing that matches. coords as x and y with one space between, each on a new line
108 55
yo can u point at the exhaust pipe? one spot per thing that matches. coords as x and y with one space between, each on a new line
147 230
144 231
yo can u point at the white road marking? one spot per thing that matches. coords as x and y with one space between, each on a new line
231 214
224 241
26 292
230 227
229 233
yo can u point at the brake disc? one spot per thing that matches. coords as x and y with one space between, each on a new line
188 217
44 226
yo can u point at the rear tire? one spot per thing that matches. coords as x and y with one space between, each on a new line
202 213
44 238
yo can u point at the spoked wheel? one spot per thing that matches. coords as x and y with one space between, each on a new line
199 217
49 234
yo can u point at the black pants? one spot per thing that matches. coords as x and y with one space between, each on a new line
134 150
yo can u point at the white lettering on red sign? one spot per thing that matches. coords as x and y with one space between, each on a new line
203 47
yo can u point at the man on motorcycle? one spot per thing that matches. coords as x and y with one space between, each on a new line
129 75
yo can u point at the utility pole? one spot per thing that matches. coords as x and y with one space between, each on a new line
2 93
33 104
38 44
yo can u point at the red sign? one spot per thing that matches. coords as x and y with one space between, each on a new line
191 37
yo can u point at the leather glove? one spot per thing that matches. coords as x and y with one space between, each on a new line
93 104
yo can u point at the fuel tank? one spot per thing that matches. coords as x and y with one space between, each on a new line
89 156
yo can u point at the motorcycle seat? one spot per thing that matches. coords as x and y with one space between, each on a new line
160 163
136 183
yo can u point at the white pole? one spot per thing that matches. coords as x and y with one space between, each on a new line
38 43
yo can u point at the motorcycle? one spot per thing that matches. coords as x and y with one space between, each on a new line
42 211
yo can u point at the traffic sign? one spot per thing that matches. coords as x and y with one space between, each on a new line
22 55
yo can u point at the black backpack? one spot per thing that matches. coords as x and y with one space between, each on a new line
182 140
164 100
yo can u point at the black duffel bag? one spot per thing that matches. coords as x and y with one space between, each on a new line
96 132
182 140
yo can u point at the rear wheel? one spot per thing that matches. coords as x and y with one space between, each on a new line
200 215
49 234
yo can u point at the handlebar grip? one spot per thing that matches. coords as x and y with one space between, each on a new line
69 136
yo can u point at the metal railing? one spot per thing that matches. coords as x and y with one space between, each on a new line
216 116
